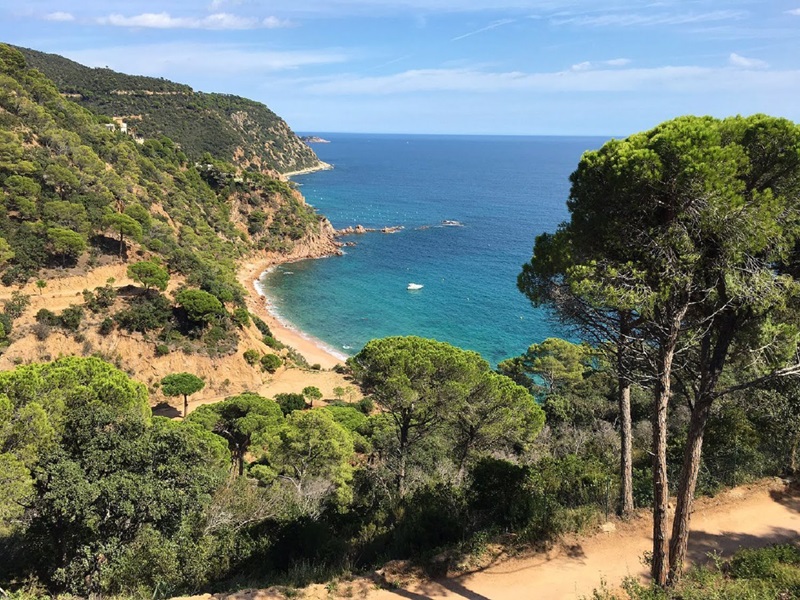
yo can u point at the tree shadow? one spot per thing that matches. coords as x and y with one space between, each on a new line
457 588
110 245
454 586
701 543
164 409
788 497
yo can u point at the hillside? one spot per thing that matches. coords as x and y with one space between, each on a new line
230 128
76 196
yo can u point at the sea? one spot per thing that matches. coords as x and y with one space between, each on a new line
470 208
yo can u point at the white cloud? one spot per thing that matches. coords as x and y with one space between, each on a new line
588 64
176 59
164 20
794 11
667 79
276 23
737 60
648 19
59 16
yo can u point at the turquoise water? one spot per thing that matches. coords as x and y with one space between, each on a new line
504 190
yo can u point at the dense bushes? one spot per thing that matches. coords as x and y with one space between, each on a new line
319 487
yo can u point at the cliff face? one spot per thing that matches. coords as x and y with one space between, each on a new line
230 128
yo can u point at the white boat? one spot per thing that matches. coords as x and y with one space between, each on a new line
414 286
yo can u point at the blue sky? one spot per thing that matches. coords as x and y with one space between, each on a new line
550 67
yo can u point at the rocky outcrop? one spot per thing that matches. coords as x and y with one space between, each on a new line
360 229
318 242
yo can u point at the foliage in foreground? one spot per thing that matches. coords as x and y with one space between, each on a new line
751 574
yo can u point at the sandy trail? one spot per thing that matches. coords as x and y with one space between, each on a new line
741 517
748 516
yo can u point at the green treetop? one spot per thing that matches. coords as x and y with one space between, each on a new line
241 420
182 384
150 274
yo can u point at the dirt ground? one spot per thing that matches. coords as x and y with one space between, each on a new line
750 516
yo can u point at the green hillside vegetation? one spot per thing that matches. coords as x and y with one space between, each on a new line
100 497
73 194
228 127
72 191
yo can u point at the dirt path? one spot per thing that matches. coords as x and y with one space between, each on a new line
748 516
741 517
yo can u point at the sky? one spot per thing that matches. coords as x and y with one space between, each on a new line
512 67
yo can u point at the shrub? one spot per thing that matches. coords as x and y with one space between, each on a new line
6 322
42 331
500 493
290 402
71 318
296 357
251 356
241 318
273 343
17 304
106 326
763 563
145 313
162 350
271 362
366 406
260 325
101 299
48 317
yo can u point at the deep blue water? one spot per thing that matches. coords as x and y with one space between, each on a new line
505 191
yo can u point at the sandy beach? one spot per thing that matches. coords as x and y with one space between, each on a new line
311 349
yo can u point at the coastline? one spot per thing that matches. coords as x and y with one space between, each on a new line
320 166
250 273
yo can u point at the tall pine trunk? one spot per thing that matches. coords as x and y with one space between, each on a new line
626 448
663 392
713 352
626 444
686 487
660 482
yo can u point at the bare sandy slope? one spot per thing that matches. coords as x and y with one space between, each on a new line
224 376
751 516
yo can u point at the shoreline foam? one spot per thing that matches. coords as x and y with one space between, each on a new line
269 306
321 166
313 350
